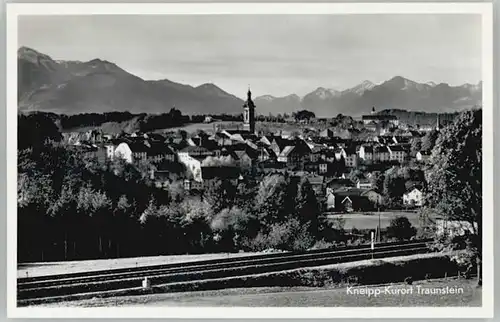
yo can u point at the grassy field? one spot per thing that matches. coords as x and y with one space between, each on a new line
259 126
206 127
305 297
371 221
50 268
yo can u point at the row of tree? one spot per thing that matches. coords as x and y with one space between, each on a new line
145 122
70 207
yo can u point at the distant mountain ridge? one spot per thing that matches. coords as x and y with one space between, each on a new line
397 93
71 87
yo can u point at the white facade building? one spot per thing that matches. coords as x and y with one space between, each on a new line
413 197
124 152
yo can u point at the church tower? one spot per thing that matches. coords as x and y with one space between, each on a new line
249 114
437 122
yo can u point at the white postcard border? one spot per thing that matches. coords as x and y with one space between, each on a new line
484 9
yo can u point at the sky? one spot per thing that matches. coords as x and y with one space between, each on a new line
274 54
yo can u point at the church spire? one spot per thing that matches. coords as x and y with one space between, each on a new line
437 122
249 113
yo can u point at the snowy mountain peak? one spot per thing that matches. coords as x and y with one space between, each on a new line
474 87
361 88
367 83
325 93
265 98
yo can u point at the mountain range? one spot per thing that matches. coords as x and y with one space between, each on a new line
71 87
396 93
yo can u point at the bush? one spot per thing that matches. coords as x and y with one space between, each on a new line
322 244
401 228
290 235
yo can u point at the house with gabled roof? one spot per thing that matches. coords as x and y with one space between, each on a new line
192 157
222 138
337 183
317 183
279 144
381 153
413 197
423 156
267 139
197 152
265 154
363 184
159 151
366 154
350 156
286 154
397 153
399 139
348 199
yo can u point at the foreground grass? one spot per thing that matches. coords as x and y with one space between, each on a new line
370 220
300 297
366 272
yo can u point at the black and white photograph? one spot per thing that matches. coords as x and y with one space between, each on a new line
320 158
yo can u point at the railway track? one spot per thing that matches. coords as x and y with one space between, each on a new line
67 286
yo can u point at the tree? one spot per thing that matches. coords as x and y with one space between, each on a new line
122 214
401 228
429 140
416 146
377 181
35 129
231 224
271 199
454 181
220 194
306 205
198 215
149 213
303 115
394 187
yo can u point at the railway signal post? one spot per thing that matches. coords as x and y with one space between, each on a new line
372 242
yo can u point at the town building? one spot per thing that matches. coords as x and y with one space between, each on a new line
381 154
366 154
363 184
397 153
383 120
423 156
348 199
350 156
413 197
